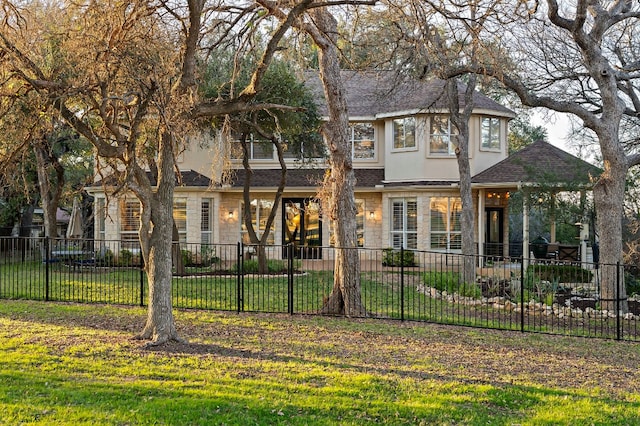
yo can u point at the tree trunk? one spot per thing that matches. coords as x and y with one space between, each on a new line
49 193
345 298
176 251
461 122
26 219
160 326
608 196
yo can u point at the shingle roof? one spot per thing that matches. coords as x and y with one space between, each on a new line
270 178
189 178
374 93
540 163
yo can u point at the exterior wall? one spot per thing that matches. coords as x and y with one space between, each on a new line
415 164
482 158
205 155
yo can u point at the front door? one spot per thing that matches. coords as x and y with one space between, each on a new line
302 227
493 240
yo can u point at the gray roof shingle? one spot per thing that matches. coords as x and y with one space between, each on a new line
540 163
189 178
375 93
270 178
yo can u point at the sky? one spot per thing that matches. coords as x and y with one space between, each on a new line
557 126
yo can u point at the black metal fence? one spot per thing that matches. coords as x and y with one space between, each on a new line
557 297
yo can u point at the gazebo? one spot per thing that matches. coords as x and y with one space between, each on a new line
539 167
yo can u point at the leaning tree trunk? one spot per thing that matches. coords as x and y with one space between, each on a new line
160 326
345 298
608 196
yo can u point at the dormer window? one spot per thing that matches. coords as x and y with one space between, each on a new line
404 133
490 133
362 141
440 133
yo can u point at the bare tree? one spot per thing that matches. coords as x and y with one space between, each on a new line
345 297
339 184
579 58
131 91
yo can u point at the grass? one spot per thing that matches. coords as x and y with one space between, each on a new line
384 294
76 364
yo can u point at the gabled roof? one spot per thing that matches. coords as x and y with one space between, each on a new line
373 94
539 163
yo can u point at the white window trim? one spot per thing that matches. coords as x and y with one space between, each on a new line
209 231
250 145
353 146
404 232
448 232
259 231
451 147
415 135
500 131
364 224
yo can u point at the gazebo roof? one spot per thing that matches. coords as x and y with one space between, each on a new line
539 164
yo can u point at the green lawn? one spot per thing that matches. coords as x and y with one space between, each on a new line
78 364
384 293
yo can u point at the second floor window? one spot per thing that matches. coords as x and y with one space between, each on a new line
362 141
259 149
440 141
404 133
490 133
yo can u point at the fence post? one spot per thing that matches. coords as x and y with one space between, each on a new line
618 322
522 293
290 278
141 286
402 283
46 268
239 276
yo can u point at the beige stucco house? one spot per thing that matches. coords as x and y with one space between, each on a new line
407 177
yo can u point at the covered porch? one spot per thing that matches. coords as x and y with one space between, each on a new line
530 177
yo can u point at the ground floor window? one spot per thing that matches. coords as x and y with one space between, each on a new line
206 221
101 218
404 223
180 217
260 211
445 223
359 225
129 223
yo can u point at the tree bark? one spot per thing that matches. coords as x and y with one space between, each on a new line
156 248
176 251
608 194
461 122
49 192
345 298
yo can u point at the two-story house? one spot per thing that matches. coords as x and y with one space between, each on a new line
407 177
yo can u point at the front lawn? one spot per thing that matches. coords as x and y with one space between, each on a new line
77 364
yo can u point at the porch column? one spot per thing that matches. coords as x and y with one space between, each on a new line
525 232
552 219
